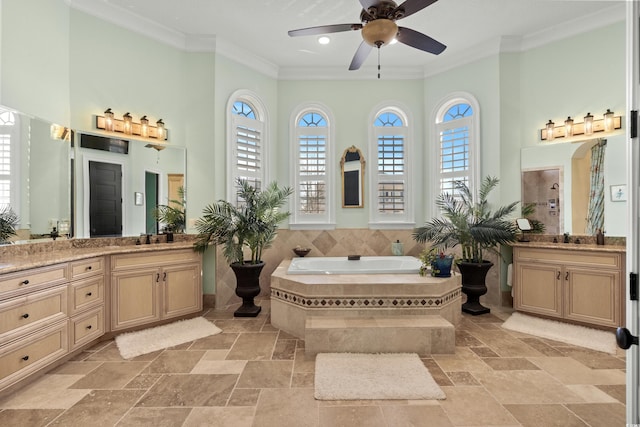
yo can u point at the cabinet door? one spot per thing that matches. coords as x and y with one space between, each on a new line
538 289
182 290
593 296
135 297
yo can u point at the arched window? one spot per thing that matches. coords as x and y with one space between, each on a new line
456 143
247 142
389 176
312 200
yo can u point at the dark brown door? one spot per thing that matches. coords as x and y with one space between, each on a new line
105 200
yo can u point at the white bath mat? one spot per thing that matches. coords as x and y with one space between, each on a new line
581 336
132 344
359 376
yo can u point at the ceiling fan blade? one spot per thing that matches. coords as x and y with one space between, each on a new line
412 6
325 29
360 56
419 41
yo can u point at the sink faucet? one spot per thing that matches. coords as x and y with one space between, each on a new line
566 238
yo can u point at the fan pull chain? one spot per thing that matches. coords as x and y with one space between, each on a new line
378 62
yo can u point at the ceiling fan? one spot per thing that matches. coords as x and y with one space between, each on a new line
379 28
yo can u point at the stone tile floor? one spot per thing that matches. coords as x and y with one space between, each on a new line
255 375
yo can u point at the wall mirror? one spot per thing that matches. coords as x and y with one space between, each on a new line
562 171
35 176
120 182
352 169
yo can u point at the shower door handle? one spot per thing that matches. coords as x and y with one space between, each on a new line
625 339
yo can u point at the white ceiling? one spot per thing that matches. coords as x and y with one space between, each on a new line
257 29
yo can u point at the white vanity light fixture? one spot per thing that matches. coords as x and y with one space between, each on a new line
588 124
569 128
128 123
108 120
144 126
548 130
127 126
608 121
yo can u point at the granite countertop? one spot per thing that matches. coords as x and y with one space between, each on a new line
12 262
571 246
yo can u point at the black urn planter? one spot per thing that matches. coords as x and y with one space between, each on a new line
247 287
473 285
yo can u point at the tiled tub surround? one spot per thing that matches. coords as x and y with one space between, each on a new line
338 243
296 297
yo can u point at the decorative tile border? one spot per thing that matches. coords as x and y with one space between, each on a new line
341 302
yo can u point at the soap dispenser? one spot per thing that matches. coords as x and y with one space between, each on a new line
599 237
397 248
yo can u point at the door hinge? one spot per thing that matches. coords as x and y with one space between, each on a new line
633 286
633 124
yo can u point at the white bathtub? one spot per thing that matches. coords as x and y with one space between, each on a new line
365 265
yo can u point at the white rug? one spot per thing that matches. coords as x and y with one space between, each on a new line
132 344
359 376
581 336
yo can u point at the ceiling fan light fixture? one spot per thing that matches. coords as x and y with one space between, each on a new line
380 31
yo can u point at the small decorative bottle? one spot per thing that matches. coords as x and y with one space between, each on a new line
599 237
397 248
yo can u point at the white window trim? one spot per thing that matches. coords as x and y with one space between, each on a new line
406 220
312 222
474 144
262 116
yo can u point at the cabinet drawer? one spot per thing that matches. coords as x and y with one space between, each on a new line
24 281
87 327
587 258
23 314
86 268
32 353
155 259
86 293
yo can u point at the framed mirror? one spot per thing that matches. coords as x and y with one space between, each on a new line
352 171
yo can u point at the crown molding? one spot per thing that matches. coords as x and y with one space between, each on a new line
342 73
124 18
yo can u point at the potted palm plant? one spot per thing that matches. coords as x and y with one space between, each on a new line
172 215
251 225
8 223
471 224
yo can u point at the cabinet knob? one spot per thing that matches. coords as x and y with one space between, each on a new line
89 267
24 282
25 316
89 327
25 358
89 294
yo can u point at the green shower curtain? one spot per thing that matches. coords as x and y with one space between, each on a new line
595 216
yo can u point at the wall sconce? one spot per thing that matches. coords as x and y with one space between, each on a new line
128 123
568 127
108 120
548 131
129 127
144 126
608 123
588 124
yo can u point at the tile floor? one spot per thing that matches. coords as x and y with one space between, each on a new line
255 375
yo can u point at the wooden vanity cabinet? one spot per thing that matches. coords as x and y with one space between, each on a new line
86 300
576 285
154 286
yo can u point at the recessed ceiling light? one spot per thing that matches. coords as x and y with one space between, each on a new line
324 40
